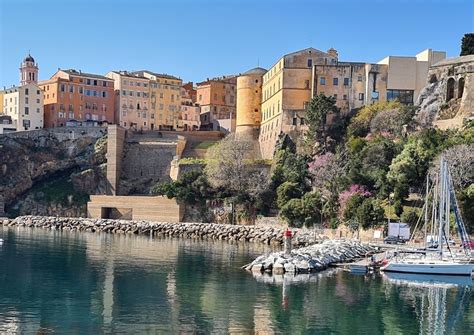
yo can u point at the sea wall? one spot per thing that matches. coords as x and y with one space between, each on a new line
205 231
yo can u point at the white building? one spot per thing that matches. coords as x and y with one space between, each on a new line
24 105
22 108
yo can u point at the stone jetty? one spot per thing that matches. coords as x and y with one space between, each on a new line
311 258
206 231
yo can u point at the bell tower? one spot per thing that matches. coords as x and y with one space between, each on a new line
28 71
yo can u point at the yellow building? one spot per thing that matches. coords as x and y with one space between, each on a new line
290 84
165 99
287 88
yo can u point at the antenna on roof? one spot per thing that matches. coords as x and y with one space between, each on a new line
258 62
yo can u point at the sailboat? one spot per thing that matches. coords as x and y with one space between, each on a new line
438 260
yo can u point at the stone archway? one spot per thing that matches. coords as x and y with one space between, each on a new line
460 88
450 89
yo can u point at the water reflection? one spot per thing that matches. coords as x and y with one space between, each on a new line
429 296
99 283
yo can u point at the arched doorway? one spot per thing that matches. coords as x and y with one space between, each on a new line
460 88
450 89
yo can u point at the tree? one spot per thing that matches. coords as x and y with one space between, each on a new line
467 45
460 159
287 191
391 121
367 212
191 187
229 167
305 211
360 124
316 117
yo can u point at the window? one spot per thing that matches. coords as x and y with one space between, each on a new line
38 101
81 90
306 83
104 83
322 80
361 96
95 82
344 97
26 100
346 81
359 78
302 121
38 92
71 89
63 88
335 81
295 121
161 96
27 110
310 62
124 92
404 96
88 81
26 91
335 96
139 94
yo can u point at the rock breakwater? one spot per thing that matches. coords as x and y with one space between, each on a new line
206 231
311 258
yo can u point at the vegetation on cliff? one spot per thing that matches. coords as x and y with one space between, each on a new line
358 170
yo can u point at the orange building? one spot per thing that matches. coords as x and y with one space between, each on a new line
217 98
75 96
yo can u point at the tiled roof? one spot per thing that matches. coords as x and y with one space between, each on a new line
161 75
85 74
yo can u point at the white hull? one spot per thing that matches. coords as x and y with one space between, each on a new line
440 268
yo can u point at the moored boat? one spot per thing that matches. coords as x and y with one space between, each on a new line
438 260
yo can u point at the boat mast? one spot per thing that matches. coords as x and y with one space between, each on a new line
441 207
426 206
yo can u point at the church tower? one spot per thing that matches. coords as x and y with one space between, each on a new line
28 71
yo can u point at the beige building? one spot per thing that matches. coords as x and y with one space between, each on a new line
406 76
217 98
132 100
24 105
353 85
190 110
287 89
165 100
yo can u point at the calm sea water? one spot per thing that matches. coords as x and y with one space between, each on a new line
84 283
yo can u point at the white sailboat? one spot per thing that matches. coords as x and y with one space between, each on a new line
438 261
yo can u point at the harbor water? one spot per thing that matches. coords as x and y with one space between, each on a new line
54 282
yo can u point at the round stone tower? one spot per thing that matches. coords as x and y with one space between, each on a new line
249 100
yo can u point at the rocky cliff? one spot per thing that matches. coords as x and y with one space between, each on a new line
51 172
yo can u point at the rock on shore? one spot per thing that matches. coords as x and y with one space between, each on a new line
309 259
206 231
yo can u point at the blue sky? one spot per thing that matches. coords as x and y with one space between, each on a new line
200 39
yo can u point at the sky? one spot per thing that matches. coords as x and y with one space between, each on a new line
200 39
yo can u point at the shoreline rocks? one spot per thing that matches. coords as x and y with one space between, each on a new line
206 231
312 258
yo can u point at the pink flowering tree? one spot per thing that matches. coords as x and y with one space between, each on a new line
354 189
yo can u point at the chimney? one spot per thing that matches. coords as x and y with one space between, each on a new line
332 52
